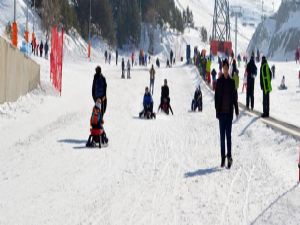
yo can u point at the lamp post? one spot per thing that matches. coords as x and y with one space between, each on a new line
89 45
26 33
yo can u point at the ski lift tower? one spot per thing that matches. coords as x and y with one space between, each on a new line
221 40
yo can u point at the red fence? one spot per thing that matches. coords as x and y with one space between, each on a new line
220 46
56 58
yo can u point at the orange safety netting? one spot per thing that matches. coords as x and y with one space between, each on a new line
56 58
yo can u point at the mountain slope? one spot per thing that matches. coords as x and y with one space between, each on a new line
278 36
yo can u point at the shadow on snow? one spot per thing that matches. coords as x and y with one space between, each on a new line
202 172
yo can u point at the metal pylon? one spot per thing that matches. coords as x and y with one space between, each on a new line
221 21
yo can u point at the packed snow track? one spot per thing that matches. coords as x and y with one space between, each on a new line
156 172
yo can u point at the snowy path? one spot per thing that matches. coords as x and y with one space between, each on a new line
154 172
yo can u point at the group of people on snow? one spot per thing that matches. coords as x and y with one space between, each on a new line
39 49
164 105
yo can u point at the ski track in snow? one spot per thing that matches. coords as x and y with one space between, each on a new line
163 171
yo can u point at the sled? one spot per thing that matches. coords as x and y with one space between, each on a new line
97 138
282 88
147 115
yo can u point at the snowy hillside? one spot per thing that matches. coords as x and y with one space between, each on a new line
251 9
278 36
73 44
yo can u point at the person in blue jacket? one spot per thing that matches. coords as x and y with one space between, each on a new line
99 89
148 105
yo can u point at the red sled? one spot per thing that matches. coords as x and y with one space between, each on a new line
97 136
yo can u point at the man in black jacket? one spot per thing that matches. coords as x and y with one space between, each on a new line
225 101
99 89
165 97
251 74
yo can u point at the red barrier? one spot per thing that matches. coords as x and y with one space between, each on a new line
220 46
56 58
89 50
14 34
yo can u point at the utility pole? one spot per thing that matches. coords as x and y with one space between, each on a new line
236 17
262 11
90 21
26 34
141 20
15 9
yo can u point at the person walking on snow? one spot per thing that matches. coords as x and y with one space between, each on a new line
208 68
128 69
297 55
265 85
152 79
244 81
225 103
109 58
99 89
46 49
273 71
123 69
171 57
117 56
105 55
214 78
41 49
251 74
235 75
239 59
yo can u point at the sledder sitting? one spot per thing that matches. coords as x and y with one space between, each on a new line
282 85
97 135
197 101
165 99
148 106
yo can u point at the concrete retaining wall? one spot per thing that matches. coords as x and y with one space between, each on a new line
18 73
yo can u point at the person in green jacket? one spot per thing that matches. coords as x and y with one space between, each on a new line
266 86
208 68
235 74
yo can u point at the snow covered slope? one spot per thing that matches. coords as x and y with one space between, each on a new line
74 45
278 36
203 16
158 172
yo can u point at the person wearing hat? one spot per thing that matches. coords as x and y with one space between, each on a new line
225 103
99 89
265 85
251 74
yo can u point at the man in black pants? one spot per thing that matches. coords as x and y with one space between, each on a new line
225 101
266 86
252 72
165 96
99 89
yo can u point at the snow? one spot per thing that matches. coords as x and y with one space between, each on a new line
163 171
153 172
282 101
